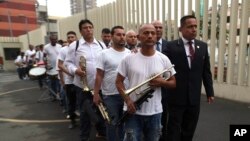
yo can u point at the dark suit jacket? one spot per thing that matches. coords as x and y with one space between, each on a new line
163 47
189 81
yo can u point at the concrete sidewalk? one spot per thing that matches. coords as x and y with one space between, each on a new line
22 118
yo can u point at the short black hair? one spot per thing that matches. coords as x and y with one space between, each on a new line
60 42
184 18
71 32
106 31
41 46
114 28
84 22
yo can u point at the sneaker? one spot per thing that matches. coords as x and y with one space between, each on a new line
68 117
77 113
72 124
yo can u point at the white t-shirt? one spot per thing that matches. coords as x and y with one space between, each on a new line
39 55
108 61
62 56
29 53
20 60
52 53
139 68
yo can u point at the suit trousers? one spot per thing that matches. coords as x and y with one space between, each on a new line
182 122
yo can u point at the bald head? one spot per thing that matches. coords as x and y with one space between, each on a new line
131 38
145 26
147 35
159 28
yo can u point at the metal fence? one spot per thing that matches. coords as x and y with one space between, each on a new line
224 25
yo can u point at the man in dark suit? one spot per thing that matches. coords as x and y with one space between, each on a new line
191 60
161 45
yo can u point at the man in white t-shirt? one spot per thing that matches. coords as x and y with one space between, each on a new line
52 50
106 73
21 64
138 68
30 57
67 79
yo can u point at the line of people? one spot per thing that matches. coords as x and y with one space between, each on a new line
124 60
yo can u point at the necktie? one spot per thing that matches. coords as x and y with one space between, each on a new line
158 46
191 50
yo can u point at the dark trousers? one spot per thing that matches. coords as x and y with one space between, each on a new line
182 122
71 95
88 115
21 72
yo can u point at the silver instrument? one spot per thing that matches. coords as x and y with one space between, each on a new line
101 107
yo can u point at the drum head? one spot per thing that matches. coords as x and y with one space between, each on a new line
52 72
37 71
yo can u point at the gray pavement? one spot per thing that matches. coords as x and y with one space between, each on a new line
22 118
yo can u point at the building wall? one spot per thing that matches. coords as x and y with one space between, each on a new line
20 43
17 17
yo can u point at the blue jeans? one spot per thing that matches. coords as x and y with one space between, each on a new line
146 128
114 104
55 87
64 99
21 72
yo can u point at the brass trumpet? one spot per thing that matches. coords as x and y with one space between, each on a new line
129 91
144 94
101 107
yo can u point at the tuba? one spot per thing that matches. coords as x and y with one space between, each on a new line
102 109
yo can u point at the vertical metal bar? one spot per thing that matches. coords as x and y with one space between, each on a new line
197 15
182 8
232 41
138 11
243 41
147 11
213 41
222 40
190 10
130 12
176 19
158 11
163 17
142 11
153 10
169 21
205 22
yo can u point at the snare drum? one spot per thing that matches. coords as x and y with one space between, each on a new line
52 74
34 73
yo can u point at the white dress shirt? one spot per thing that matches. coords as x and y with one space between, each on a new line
90 51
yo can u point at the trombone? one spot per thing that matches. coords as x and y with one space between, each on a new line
129 91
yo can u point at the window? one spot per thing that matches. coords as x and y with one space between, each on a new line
11 53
